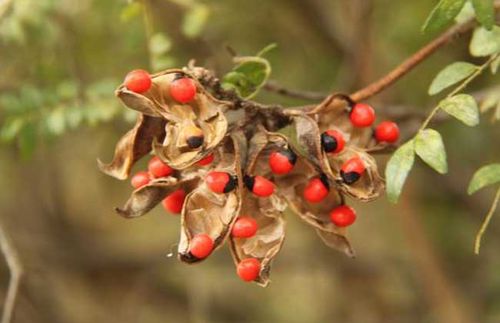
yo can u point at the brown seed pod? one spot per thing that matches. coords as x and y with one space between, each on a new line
192 129
333 113
369 186
206 212
268 240
134 145
147 197
292 187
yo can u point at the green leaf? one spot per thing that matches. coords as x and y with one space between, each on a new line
159 44
429 147
484 176
248 76
56 123
195 20
10 128
26 140
131 11
494 65
485 12
463 107
450 75
485 42
397 170
442 15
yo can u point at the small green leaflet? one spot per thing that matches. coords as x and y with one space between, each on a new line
484 176
397 170
429 147
248 76
195 20
451 74
485 12
442 14
485 42
463 107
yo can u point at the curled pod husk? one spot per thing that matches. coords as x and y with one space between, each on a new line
145 198
268 240
134 145
291 187
202 117
268 212
317 215
206 212
333 113
369 186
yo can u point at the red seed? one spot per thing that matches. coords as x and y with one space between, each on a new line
282 162
138 81
206 161
244 227
183 89
201 246
248 269
315 191
220 182
140 179
174 201
352 170
362 115
332 141
343 216
259 185
157 168
387 131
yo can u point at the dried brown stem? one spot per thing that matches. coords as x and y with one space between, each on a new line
15 275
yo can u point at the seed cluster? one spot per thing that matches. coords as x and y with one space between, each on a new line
234 179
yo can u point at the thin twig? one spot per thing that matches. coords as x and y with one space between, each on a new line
15 269
273 86
407 65
487 219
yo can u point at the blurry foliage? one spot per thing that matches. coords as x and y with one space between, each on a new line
32 112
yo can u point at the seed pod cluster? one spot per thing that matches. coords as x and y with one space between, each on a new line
234 179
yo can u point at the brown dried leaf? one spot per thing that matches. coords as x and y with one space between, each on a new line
211 213
133 146
147 197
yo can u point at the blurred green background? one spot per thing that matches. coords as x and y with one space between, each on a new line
60 61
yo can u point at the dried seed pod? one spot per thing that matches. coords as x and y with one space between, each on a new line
333 113
134 145
147 197
368 186
206 212
192 130
315 214
267 241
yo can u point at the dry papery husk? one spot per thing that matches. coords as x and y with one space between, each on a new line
145 198
204 112
333 113
135 144
206 212
291 187
268 212
370 184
